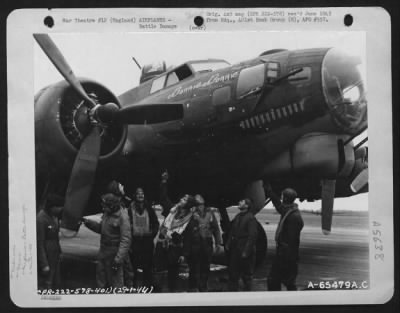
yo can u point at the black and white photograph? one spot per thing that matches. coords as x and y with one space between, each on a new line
186 164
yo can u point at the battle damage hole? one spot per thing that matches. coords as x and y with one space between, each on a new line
48 21
199 21
348 20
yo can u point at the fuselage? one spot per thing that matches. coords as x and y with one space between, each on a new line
237 121
240 117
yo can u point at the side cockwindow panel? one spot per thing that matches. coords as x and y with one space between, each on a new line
158 84
250 80
172 79
221 96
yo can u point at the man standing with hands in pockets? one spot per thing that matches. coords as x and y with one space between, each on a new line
241 247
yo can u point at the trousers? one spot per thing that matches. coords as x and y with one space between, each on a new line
199 268
51 280
240 268
108 277
283 271
142 257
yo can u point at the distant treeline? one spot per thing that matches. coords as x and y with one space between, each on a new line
335 212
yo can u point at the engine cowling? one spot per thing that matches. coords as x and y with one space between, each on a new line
62 122
314 155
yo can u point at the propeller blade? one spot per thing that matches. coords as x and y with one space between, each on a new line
359 181
56 57
327 199
81 182
361 153
149 113
256 193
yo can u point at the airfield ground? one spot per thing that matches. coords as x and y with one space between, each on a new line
341 256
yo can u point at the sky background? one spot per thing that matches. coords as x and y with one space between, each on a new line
107 58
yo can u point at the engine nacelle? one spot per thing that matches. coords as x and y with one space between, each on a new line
313 155
62 122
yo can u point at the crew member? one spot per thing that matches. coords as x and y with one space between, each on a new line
172 232
144 226
287 237
118 190
198 244
48 243
115 241
241 246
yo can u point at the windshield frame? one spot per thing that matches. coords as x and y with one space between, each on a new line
218 62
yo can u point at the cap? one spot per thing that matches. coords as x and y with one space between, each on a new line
110 200
289 195
115 188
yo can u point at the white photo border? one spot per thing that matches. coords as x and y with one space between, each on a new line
22 24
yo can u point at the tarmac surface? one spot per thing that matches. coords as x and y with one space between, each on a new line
341 257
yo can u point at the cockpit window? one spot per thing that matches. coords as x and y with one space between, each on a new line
158 84
183 72
250 81
172 79
209 66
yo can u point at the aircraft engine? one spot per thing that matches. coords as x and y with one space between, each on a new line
78 124
63 122
324 157
315 154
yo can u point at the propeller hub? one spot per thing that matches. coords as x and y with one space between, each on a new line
105 113
80 121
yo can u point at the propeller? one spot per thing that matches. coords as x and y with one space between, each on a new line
56 57
84 169
361 179
329 187
327 199
81 182
255 191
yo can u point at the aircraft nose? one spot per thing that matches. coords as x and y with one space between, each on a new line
344 90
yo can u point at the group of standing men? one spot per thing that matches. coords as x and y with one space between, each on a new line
189 233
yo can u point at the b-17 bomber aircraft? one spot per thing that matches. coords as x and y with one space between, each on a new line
285 117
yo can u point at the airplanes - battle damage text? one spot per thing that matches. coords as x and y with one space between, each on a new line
212 18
